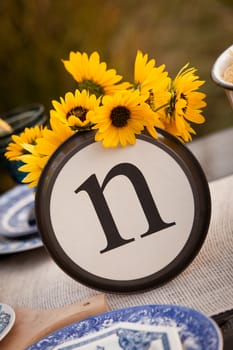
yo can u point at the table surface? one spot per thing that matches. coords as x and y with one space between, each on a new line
32 279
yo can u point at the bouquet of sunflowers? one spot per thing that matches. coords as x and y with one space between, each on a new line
117 110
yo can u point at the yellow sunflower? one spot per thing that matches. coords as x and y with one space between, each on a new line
159 97
93 75
185 135
53 138
18 147
185 104
39 154
121 117
74 109
152 82
34 163
147 76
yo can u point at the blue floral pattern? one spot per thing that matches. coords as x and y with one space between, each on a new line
120 337
4 320
7 319
133 340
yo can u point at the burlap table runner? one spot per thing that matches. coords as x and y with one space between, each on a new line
32 279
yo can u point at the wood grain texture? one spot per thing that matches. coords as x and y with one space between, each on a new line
32 325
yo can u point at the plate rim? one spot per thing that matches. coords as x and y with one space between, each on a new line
17 192
38 244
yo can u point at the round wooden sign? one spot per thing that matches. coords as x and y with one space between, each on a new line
123 219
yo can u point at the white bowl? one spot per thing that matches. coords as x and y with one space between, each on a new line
224 60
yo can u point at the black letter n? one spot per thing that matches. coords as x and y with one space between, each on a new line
95 192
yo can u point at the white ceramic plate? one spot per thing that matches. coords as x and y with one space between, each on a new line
15 207
7 319
196 331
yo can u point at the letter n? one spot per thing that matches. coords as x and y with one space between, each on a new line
95 192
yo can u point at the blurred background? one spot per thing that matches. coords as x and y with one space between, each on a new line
36 34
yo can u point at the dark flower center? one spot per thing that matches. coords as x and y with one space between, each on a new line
78 112
120 116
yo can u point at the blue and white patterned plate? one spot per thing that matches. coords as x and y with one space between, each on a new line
15 207
17 245
196 331
7 319
128 336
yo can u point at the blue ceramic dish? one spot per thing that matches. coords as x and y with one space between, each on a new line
196 331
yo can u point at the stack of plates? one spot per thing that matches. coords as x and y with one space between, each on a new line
17 232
